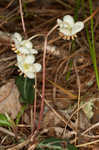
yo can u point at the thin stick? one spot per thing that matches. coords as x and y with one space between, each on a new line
9 4
22 18
93 14
32 121
35 101
21 145
81 107
9 16
89 143
52 30
78 84
34 36
7 132
90 128
58 114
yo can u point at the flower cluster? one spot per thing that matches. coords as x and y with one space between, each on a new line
68 28
25 56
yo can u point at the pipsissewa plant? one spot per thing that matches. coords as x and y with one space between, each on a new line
67 30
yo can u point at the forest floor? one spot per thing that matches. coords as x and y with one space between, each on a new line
71 109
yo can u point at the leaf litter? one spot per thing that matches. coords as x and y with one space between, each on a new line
60 112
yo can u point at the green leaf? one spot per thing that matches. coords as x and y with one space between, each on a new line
71 147
19 115
51 143
4 121
55 144
26 89
52 140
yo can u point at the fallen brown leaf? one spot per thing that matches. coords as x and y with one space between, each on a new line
9 99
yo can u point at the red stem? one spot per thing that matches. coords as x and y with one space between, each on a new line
43 78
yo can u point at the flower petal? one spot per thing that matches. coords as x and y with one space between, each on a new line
66 32
33 51
60 23
20 66
23 50
68 20
78 26
29 59
26 43
29 69
20 58
17 43
17 36
30 75
37 67
28 72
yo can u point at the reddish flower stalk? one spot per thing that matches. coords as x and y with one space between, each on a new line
44 73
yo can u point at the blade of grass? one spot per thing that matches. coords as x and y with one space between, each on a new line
69 72
91 42
78 3
63 3
92 46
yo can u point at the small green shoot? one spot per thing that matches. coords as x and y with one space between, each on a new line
4 121
20 114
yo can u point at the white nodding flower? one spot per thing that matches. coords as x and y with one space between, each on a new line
68 27
23 46
24 50
30 59
29 69
27 66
